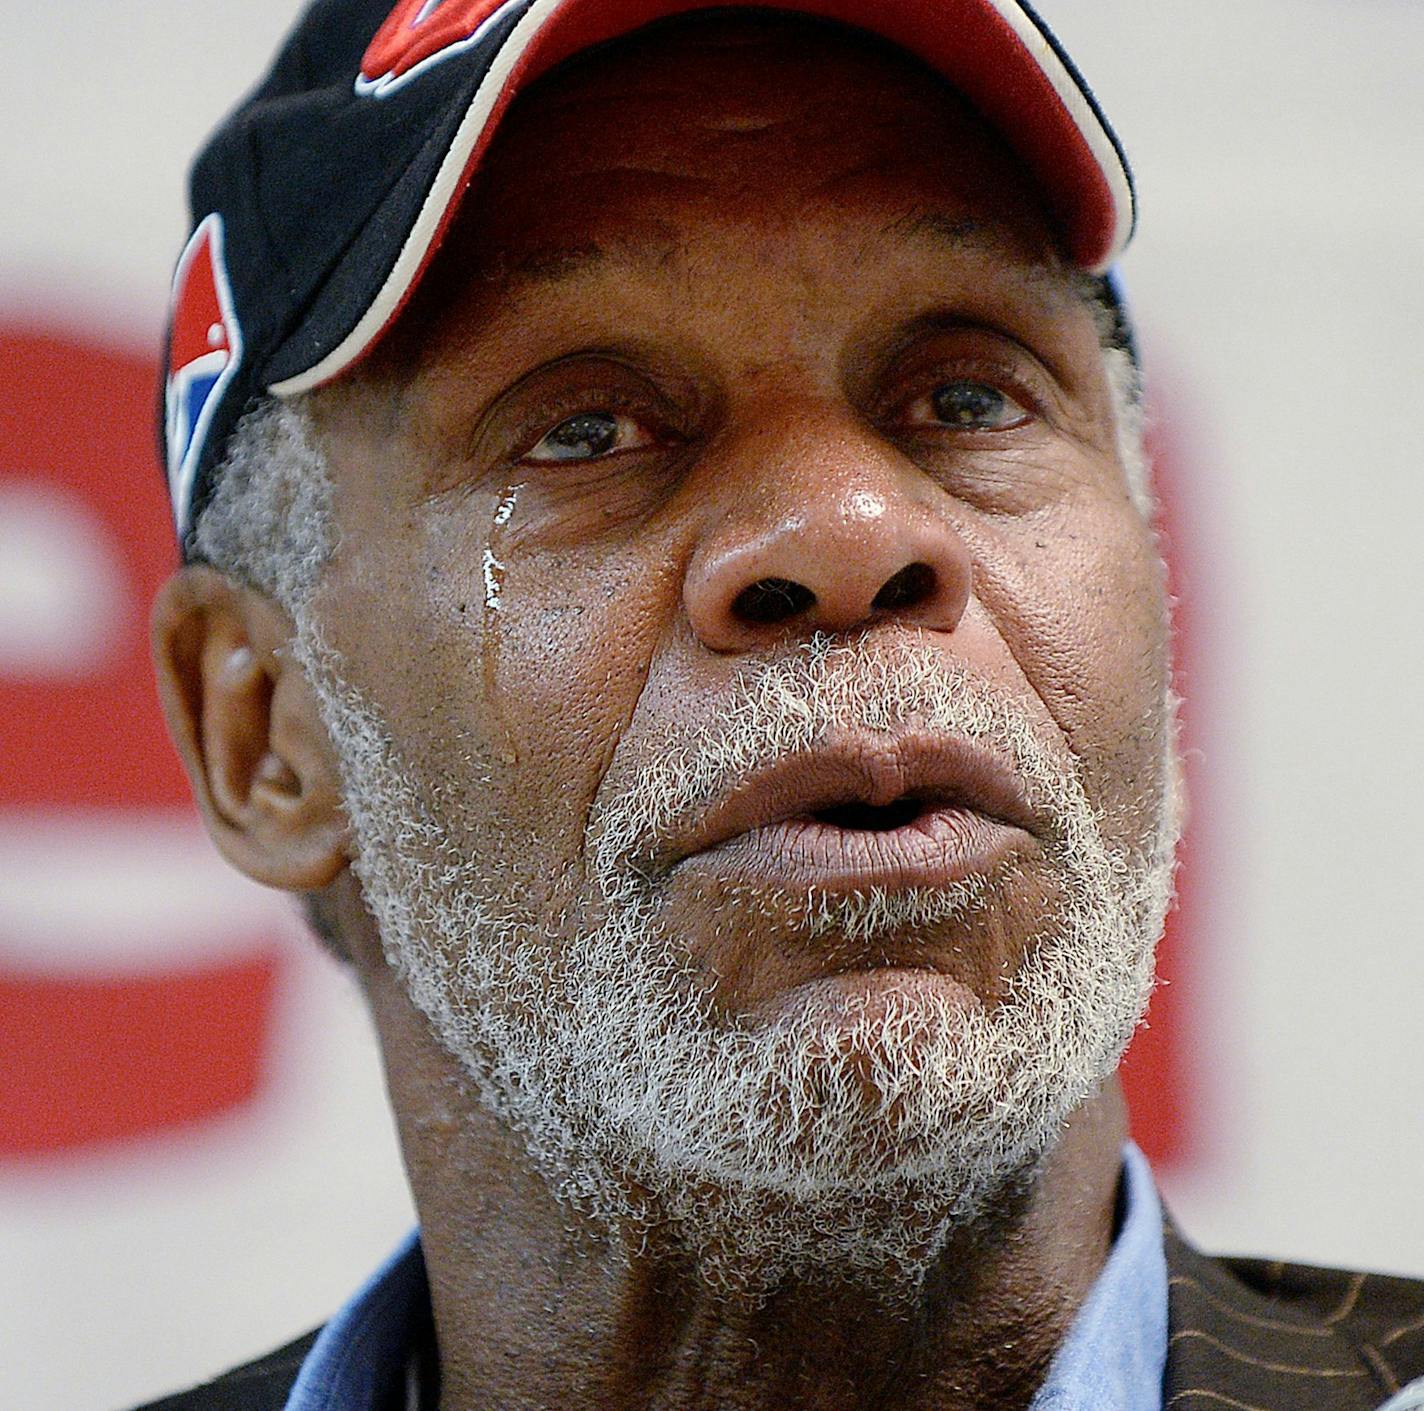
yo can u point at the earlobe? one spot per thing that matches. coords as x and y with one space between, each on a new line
247 726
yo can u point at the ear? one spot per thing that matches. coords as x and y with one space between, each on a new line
246 723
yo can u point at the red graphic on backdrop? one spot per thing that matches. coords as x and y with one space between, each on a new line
102 1035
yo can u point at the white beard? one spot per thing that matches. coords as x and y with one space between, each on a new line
757 1147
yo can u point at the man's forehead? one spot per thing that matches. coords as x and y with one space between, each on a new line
654 245
586 167
563 261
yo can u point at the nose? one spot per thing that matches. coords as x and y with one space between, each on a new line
833 549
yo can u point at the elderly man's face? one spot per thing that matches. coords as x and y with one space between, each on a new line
736 567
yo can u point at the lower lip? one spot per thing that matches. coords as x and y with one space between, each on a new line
937 849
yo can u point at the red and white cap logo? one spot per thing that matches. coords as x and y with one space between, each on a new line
418 34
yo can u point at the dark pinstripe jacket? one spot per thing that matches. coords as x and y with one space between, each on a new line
1260 1336
1244 1335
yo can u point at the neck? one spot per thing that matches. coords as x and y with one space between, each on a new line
534 1307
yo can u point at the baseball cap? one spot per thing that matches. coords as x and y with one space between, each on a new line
319 203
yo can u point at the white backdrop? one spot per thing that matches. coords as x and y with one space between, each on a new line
1279 284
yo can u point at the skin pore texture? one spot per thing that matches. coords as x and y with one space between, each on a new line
746 469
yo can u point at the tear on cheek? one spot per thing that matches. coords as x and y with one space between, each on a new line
493 567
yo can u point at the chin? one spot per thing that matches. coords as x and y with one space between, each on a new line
769 953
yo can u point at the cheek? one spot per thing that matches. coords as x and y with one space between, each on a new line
569 655
548 652
1081 605
506 673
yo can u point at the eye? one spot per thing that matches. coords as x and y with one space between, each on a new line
968 406
588 436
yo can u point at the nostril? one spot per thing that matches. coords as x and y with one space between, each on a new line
913 584
771 600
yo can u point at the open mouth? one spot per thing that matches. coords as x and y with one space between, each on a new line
863 817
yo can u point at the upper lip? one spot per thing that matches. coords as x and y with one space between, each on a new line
939 770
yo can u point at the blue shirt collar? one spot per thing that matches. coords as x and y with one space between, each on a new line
368 1358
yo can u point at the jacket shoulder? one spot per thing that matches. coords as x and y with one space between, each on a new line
1272 1333
1380 1312
260 1385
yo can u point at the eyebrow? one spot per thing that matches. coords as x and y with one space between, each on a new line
937 226
660 246
957 233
